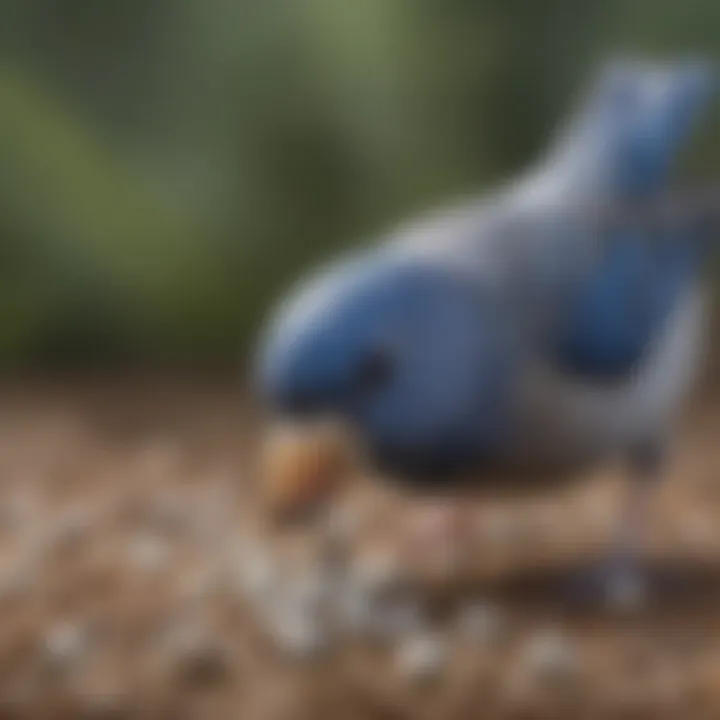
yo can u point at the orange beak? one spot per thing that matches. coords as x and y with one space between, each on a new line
303 466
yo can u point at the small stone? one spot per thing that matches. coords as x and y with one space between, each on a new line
354 611
257 574
299 636
549 657
65 642
421 656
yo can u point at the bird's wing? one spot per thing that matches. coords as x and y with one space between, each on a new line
588 288
594 287
611 319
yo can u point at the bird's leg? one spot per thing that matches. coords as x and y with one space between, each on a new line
621 581
625 581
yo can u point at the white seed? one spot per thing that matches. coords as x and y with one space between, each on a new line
257 575
353 611
298 635
421 656
65 642
481 623
549 656
308 594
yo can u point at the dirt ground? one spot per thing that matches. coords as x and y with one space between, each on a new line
124 517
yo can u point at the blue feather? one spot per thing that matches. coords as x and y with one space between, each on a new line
622 306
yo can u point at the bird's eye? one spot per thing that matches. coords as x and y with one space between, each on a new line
375 370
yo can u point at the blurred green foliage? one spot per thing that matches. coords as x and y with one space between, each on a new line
167 166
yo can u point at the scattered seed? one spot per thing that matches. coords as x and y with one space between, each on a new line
65 642
353 611
257 574
299 636
421 656
549 657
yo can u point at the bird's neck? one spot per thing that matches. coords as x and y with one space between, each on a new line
595 161
568 178
582 168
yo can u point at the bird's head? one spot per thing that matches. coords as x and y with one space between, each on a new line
411 358
635 118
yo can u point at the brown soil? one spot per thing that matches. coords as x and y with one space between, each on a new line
123 512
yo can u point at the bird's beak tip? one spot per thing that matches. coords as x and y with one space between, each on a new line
302 466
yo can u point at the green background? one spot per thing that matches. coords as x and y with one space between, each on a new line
167 166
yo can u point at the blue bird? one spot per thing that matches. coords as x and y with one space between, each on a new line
527 335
